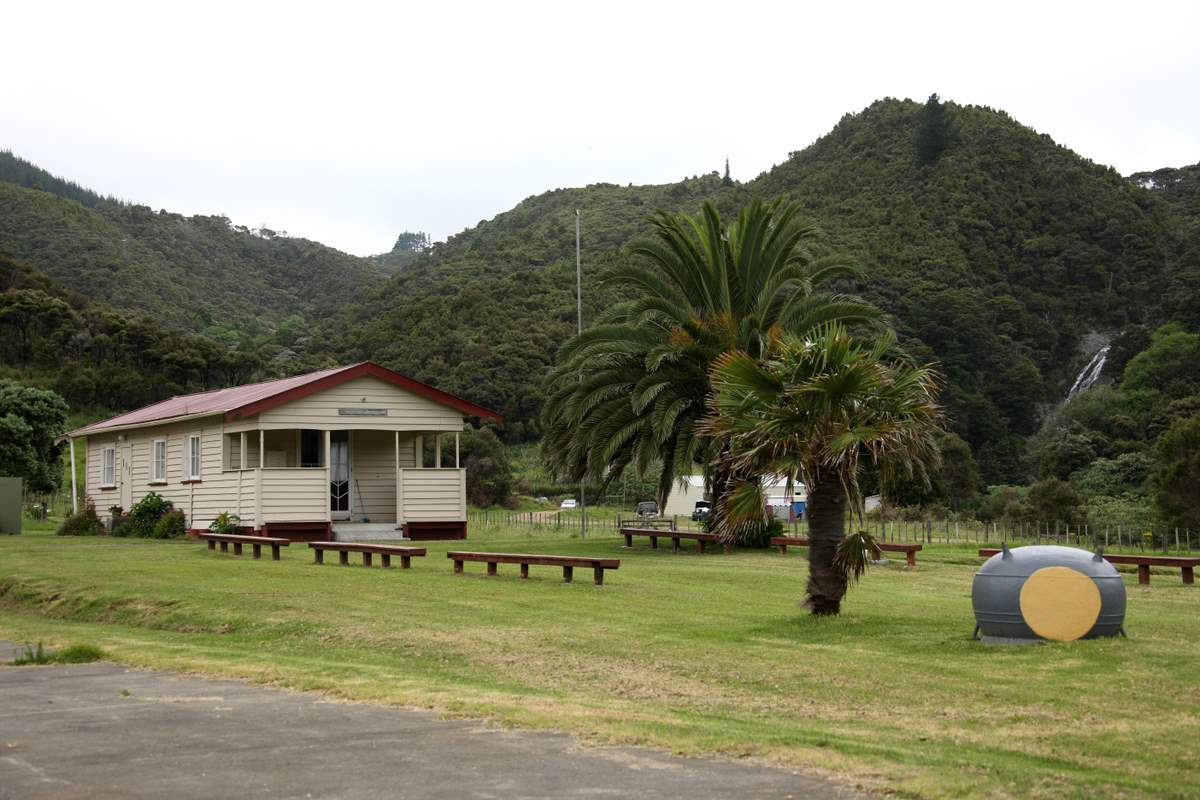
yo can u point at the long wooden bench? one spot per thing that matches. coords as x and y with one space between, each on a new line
256 542
702 539
1186 564
385 552
568 563
909 550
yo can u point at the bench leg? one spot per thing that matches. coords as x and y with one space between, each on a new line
274 552
1144 574
224 547
385 560
1189 575
237 548
318 555
212 545
598 573
674 544
525 571
653 542
343 558
366 559
701 542
629 540
257 550
491 568
911 557
726 548
458 567
568 574
783 549
405 562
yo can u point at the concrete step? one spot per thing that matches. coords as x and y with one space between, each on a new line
367 532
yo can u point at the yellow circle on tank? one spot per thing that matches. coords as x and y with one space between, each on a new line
1060 603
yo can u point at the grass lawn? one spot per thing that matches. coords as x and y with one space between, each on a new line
696 654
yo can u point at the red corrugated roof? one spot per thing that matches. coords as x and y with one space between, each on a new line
253 398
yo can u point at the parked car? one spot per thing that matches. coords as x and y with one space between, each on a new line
570 502
701 511
646 508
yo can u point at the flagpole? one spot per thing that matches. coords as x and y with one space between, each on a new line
579 310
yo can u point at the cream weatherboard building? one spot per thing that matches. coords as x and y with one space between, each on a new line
341 452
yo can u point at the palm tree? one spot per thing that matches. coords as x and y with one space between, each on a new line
629 390
817 406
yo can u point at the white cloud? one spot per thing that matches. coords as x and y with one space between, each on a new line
350 122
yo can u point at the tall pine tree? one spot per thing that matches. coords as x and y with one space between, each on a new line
933 130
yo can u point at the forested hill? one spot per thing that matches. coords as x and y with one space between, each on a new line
197 273
997 254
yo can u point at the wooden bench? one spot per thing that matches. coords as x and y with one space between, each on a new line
385 551
1186 564
568 563
909 550
701 538
257 542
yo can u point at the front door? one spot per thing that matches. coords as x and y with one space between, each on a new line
339 474
124 458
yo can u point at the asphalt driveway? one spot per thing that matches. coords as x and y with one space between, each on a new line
102 731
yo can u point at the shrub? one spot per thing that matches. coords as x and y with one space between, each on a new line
150 507
225 523
142 520
760 536
85 523
171 525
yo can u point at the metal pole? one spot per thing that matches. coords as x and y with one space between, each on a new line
579 311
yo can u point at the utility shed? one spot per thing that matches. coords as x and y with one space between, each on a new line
306 457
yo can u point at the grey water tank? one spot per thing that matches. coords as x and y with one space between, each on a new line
1047 592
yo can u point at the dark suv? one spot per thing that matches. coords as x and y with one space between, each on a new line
701 511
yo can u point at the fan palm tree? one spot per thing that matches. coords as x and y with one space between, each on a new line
629 390
817 406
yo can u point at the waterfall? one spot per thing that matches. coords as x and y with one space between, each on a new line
1090 373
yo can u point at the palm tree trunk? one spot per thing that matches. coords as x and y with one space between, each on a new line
826 511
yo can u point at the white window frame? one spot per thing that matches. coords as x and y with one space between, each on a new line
194 464
108 467
157 476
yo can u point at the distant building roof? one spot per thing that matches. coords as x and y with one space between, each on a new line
254 398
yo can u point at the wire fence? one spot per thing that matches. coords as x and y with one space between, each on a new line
1111 536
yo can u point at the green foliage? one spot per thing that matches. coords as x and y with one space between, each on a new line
489 475
1176 477
855 553
152 517
933 130
30 419
1054 500
150 507
225 523
171 525
182 272
628 392
73 654
959 474
96 357
84 523
409 246
1125 474
14 169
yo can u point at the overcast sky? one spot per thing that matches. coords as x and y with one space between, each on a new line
347 123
